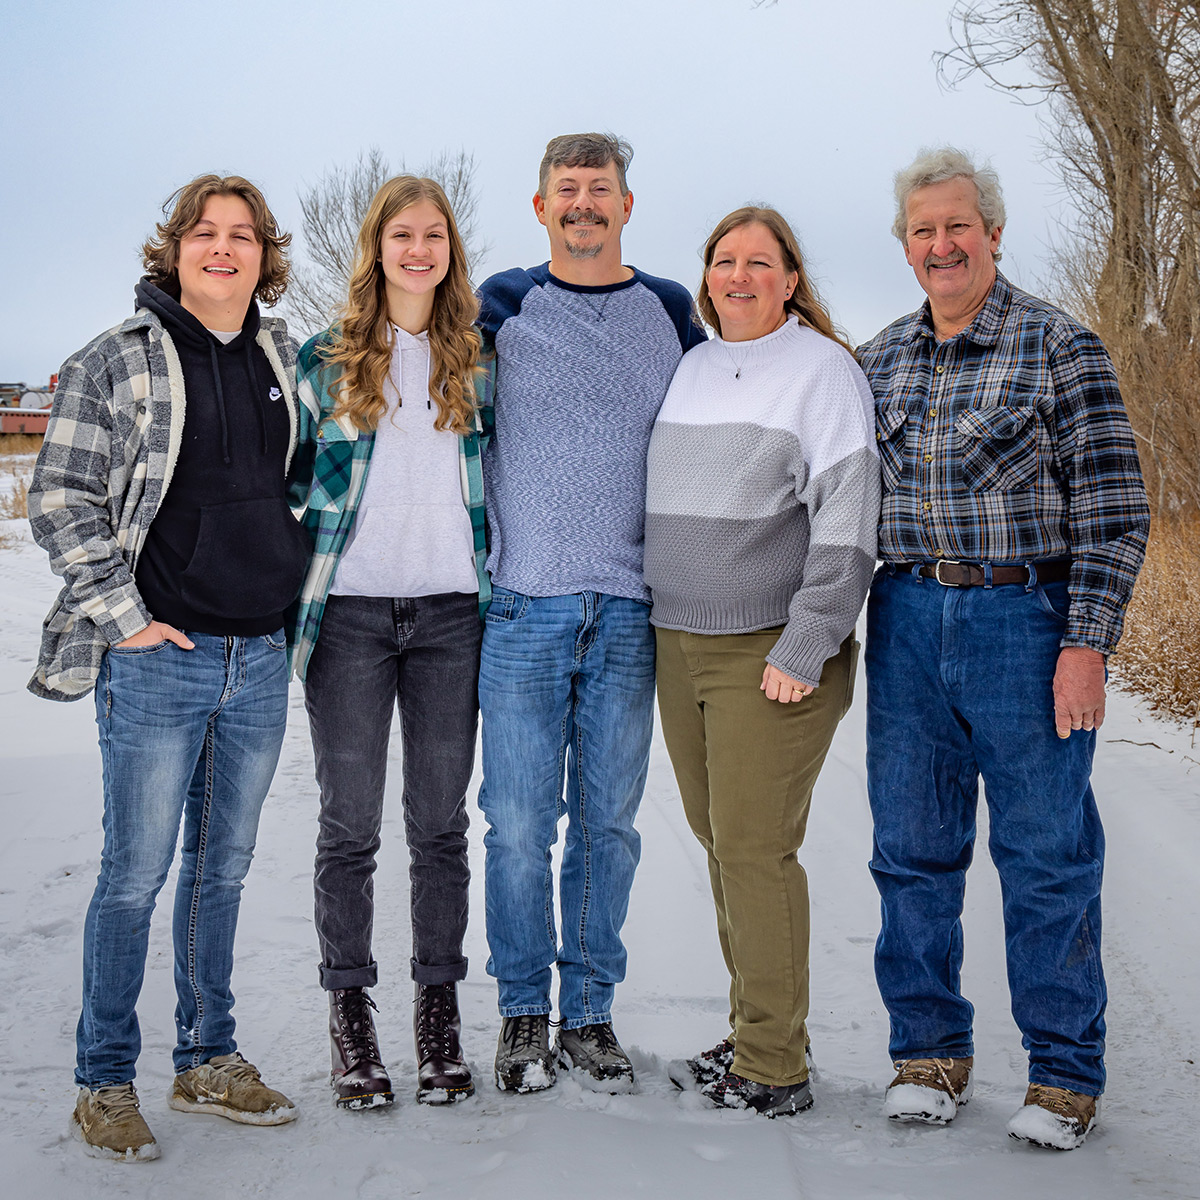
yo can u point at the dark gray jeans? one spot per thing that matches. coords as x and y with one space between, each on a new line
372 652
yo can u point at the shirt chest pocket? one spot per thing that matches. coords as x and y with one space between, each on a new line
331 468
891 422
998 447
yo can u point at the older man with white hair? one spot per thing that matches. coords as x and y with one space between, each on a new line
1014 524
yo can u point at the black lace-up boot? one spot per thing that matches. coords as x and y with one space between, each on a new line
359 1078
442 1076
523 1059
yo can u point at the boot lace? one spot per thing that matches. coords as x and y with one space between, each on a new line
1060 1101
356 1030
927 1072
117 1103
435 1015
522 1032
602 1037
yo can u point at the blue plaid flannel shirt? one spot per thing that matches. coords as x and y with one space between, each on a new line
327 480
1009 443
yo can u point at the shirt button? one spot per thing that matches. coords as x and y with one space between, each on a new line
940 370
938 552
932 413
929 458
927 506
879 437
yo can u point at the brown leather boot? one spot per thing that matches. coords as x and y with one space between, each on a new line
442 1076
358 1078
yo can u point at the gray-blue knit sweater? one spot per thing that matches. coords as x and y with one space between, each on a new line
763 495
580 375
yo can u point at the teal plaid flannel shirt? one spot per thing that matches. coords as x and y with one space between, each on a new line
329 472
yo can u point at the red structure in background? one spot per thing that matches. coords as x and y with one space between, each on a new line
24 409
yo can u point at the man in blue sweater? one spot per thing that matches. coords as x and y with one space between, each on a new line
585 348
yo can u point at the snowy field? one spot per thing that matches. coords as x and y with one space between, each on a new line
567 1142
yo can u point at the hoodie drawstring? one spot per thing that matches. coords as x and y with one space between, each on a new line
216 370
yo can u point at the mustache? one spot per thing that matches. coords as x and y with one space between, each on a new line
934 260
590 214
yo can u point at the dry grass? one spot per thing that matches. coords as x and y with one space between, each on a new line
12 444
17 452
14 502
1159 653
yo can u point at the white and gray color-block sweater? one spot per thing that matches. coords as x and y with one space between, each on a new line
762 496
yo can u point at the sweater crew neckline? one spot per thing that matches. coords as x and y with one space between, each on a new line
593 288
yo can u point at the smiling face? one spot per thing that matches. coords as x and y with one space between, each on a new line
219 263
748 282
950 251
584 212
414 255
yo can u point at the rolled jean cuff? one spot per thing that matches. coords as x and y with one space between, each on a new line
525 1010
453 972
336 979
591 1019
963 1050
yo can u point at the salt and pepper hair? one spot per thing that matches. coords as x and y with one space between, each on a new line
939 165
593 150
184 209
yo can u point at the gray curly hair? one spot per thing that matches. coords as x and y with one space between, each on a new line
938 165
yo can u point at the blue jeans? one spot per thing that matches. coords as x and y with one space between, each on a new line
566 683
183 733
959 685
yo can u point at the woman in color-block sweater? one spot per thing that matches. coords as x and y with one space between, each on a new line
390 613
761 512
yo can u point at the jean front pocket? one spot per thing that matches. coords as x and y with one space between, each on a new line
506 606
276 641
998 447
1055 599
152 648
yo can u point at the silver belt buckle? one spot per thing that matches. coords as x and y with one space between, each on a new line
937 570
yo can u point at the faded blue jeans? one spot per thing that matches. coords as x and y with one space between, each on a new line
959 685
566 684
191 734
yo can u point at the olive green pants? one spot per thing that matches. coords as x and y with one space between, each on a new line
746 767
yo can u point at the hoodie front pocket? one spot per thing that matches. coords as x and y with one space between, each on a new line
250 559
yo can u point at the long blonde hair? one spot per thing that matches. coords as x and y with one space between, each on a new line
803 301
362 339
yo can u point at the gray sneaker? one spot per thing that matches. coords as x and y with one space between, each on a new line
523 1062
229 1086
109 1124
594 1052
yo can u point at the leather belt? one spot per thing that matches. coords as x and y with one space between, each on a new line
950 572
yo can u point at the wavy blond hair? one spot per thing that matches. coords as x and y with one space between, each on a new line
803 301
361 344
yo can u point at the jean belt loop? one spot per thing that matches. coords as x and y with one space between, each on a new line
1032 581
916 573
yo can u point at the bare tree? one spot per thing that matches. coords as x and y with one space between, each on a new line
332 211
1121 84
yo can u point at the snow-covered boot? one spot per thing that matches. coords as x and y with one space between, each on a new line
1055 1118
442 1076
358 1077
931 1090
523 1062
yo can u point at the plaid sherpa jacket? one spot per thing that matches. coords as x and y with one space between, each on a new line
328 480
105 464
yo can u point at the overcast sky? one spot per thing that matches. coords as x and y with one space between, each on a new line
809 106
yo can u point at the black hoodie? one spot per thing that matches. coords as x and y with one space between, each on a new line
224 555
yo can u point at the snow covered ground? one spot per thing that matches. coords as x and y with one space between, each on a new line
567 1142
